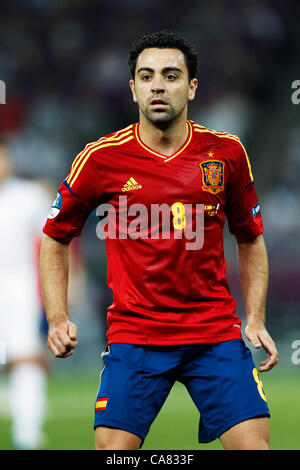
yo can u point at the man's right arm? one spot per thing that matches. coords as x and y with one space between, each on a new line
54 271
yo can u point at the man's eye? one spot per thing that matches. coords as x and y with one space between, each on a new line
170 76
146 77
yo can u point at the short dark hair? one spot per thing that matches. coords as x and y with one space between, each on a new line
164 40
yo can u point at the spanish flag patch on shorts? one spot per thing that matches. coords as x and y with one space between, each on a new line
101 404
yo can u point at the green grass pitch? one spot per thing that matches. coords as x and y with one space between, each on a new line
69 423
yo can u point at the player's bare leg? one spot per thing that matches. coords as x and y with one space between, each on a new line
252 434
115 439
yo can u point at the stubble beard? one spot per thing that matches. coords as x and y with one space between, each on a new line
161 119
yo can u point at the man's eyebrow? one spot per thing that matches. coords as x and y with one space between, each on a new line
171 69
164 70
146 69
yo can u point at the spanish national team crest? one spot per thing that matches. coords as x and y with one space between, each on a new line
212 176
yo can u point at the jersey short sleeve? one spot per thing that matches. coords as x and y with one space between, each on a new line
75 200
242 208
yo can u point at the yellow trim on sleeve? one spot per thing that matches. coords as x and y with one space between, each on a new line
75 173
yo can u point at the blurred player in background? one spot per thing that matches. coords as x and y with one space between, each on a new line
24 205
172 316
23 208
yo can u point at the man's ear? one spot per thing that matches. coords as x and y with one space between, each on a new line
192 89
132 87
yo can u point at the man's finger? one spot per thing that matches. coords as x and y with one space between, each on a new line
269 363
56 337
253 338
54 348
270 347
62 343
256 343
72 331
264 336
267 342
66 340
59 351
68 354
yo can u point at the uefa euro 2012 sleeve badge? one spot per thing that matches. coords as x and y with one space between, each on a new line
212 176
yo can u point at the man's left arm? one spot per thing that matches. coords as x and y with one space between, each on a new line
254 278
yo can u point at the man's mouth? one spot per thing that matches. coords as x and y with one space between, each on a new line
158 103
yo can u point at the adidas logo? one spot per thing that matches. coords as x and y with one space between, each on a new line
131 185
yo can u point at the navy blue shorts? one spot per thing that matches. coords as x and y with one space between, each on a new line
221 379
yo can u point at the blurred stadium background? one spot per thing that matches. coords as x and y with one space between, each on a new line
64 63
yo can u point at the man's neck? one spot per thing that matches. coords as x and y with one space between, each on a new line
163 140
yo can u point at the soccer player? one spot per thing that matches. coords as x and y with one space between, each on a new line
172 316
23 204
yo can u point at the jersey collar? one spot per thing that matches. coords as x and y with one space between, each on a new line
164 158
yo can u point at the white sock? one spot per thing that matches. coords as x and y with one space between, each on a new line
27 396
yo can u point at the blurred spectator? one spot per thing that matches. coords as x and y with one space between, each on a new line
23 208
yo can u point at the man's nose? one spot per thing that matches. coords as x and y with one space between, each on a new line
157 85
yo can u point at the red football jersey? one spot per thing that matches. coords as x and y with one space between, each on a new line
163 293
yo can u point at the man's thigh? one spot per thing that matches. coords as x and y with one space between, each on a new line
134 383
225 386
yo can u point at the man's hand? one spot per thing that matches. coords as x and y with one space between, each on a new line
62 338
259 337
